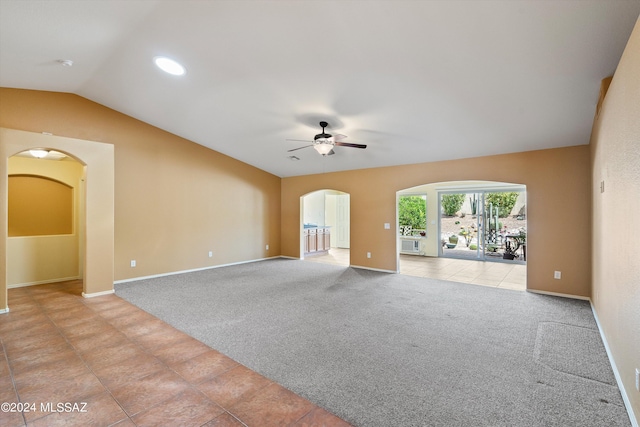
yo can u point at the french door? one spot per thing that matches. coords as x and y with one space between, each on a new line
486 224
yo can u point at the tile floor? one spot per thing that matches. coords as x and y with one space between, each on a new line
129 367
485 273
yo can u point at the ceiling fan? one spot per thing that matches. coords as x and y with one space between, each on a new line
324 142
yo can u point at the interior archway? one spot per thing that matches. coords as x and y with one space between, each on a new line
325 227
46 211
98 243
474 232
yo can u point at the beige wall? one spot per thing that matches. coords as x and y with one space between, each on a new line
615 149
558 209
174 200
39 206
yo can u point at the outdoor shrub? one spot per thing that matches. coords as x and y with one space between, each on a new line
412 210
473 246
451 203
504 201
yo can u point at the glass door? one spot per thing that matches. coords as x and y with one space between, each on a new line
461 224
505 225
484 224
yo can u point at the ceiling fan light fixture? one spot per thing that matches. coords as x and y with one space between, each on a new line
323 147
170 66
324 142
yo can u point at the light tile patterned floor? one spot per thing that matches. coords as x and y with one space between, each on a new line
485 273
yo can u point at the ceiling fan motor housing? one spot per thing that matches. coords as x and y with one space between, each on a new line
322 135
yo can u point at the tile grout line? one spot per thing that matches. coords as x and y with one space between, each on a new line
13 381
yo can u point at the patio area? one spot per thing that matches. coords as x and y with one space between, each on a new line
483 273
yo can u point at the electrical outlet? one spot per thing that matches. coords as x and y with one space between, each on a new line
267 247
387 226
210 254
557 275
133 263
368 254
637 379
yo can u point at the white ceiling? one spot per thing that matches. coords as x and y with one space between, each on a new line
416 81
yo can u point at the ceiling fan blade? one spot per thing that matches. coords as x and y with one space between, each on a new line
331 153
298 140
299 148
347 144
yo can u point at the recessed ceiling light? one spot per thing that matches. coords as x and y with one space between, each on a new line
169 66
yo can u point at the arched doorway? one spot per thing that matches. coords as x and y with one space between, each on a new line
325 227
98 158
46 201
475 232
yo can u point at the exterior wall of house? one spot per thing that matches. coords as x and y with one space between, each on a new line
558 209
615 149
174 200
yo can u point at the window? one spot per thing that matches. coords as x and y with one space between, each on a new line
412 215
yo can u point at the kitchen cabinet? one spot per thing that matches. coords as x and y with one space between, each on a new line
316 240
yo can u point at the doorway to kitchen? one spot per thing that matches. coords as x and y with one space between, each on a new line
325 227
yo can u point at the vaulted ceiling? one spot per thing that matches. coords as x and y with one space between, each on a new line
416 81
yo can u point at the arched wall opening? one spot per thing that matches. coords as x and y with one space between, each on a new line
46 201
98 218
325 226
462 221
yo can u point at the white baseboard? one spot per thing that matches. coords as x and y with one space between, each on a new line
43 282
374 269
616 373
172 273
4 310
154 276
557 294
353 266
98 294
